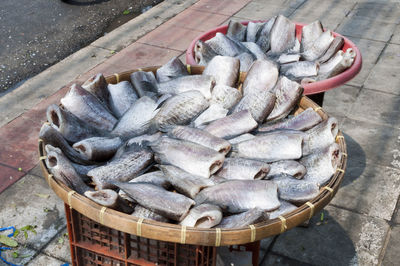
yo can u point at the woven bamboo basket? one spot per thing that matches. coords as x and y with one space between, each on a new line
189 235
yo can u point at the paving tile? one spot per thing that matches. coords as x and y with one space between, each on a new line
258 11
371 143
59 247
277 260
266 243
343 238
366 28
197 20
43 259
25 255
338 101
369 189
386 12
396 36
284 3
392 254
225 7
385 74
36 171
330 13
171 37
20 206
225 257
377 107
370 50
8 176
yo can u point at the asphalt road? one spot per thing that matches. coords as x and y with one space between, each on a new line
37 34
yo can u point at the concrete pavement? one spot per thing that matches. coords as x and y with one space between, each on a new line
361 226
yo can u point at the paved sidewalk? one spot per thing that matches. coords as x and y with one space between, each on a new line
361 226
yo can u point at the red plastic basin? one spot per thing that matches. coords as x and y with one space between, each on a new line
309 88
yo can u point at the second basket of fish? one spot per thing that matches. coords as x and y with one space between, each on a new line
186 154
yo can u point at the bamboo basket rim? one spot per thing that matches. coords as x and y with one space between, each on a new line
191 235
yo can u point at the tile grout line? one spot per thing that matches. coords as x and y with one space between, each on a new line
157 46
292 259
268 249
357 212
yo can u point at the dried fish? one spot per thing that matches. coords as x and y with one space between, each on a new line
252 216
232 125
240 168
203 216
320 136
168 204
88 108
189 156
145 83
262 75
224 69
226 96
286 167
171 70
122 96
237 196
201 83
98 148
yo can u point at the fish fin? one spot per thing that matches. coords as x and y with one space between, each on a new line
167 128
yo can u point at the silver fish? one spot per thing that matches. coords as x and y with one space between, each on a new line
189 156
274 146
184 182
241 168
223 45
201 83
252 216
288 94
252 30
224 69
61 168
125 167
299 70
260 104
156 178
309 34
172 69
246 60
319 46
335 46
180 109
214 112
255 50
320 136
241 138
232 125
201 137
168 204
296 48
98 148
136 121
225 96
203 53
282 35
286 167
262 75
122 96
88 108
142 212
71 127
97 85
285 208
236 196
110 199
145 83
51 136
337 64
236 30
294 190
263 36
303 121
203 216
322 164
288 58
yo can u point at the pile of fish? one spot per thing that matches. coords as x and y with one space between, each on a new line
318 56
192 149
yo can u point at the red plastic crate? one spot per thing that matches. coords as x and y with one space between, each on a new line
94 244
